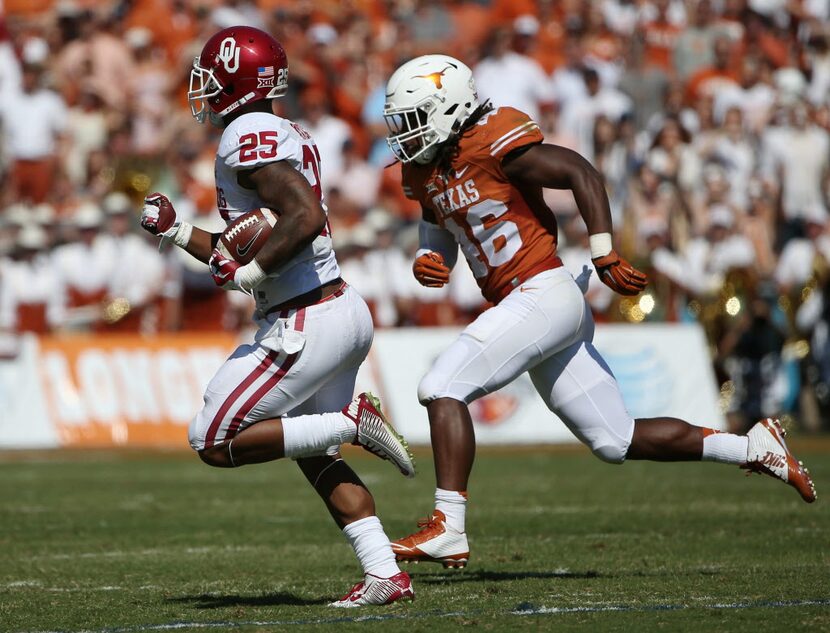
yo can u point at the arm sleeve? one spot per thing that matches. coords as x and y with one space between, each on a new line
432 238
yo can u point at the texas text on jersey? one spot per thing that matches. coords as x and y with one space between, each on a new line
507 235
255 139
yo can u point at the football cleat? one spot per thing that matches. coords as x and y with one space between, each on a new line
436 542
377 435
768 454
373 590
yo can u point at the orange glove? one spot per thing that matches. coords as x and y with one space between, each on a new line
619 275
430 270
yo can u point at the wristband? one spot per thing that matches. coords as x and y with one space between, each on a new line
179 234
601 245
250 275
182 235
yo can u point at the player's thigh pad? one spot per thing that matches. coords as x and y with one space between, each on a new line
257 383
578 386
544 315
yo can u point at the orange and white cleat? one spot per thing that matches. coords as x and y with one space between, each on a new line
373 590
377 435
436 542
768 454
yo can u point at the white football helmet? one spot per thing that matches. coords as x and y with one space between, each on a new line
427 100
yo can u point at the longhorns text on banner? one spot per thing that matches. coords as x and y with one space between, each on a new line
124 389
229 52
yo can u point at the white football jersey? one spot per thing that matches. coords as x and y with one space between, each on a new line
256 139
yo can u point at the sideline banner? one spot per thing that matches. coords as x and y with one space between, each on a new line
117 390
109 390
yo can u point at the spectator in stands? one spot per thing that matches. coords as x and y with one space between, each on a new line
704 263
329 132
672 157
801 255
751 354
87 131
358 181
645 85
660 34
137 277
708 81
33 123
509 78
694 47
149 112
385 263
97 57
30 293
753 95
731 147
84 265
580 114
797 157
568 79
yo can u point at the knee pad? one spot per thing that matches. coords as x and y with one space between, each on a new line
432 386
195 432
610 453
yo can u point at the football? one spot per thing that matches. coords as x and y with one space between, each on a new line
244 236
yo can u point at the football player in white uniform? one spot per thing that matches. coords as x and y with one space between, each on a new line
288 393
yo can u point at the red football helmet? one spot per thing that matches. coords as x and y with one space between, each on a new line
238 65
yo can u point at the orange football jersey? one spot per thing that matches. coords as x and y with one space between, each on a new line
506 235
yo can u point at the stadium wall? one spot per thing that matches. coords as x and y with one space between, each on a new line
104 391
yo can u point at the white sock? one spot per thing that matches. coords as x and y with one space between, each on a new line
372 547
725 447
310 434
454 506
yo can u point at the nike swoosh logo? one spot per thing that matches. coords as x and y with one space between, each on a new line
241 251
458 174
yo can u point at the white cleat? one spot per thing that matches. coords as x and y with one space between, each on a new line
373 590
377 435
768 454
436 542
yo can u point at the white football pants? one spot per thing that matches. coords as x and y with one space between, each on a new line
301 361
545 328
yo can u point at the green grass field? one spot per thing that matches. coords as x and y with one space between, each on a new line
132 542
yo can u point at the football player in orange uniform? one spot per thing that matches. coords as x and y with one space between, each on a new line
478 174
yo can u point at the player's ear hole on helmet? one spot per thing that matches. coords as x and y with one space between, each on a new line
451 109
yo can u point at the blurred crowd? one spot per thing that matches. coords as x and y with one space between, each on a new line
709 120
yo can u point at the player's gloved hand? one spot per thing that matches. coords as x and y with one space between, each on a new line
159 218
430 271
158 215
619 275
223 270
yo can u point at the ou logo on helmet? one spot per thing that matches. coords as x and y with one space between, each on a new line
229 52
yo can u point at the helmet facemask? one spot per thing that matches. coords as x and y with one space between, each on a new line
413 135
203 86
